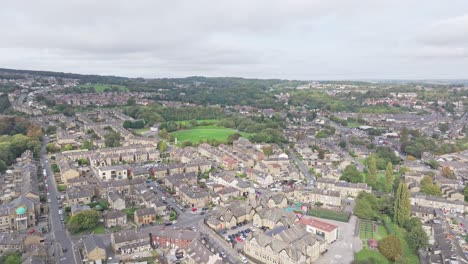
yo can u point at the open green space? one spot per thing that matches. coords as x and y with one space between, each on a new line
372 256
62 187
140 131
100 87
99 229
353 124
201 133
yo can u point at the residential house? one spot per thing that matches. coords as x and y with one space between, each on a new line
108 173
145 216
273 217
114 218
93 251
116 201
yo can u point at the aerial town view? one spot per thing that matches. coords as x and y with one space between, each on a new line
211 132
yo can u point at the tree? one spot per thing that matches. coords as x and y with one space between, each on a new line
342 144
87 144
162 146
391 247
112 139
83 162
367 206
267 150
11 258
68 147
351 174
131 101
443 127
84 220
52 148
428 186
465 192
389 178
372 171
447 173
233 137
364 210
321 154
402 208
359 117
417 237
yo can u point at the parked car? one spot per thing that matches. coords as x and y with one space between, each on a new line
234 227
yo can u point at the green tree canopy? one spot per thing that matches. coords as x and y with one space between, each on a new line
402 208
351 174
391 247
84 220
389 178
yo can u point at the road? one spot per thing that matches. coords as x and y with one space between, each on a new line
215 239
58 237
304 168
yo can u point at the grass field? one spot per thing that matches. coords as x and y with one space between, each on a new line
200 133
99 229
353 124
372 256
100 87
140 131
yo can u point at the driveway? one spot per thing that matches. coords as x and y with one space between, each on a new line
342 251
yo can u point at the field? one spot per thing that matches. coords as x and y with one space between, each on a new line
371 255
201 133
140 131
367 232
100 88
329 214
99 229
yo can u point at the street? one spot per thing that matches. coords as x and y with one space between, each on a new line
304 168
58 237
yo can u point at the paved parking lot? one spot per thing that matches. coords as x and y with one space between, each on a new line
342 251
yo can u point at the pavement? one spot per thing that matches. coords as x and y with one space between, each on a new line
342 251
58 237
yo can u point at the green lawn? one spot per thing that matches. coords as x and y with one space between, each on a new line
371 255
353 124
62 187
140 131
201 133
99 229
100 87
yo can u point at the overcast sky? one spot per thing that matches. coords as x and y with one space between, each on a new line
309 39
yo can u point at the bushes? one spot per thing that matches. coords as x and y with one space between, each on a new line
391 247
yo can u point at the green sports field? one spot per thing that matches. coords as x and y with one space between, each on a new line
200 133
